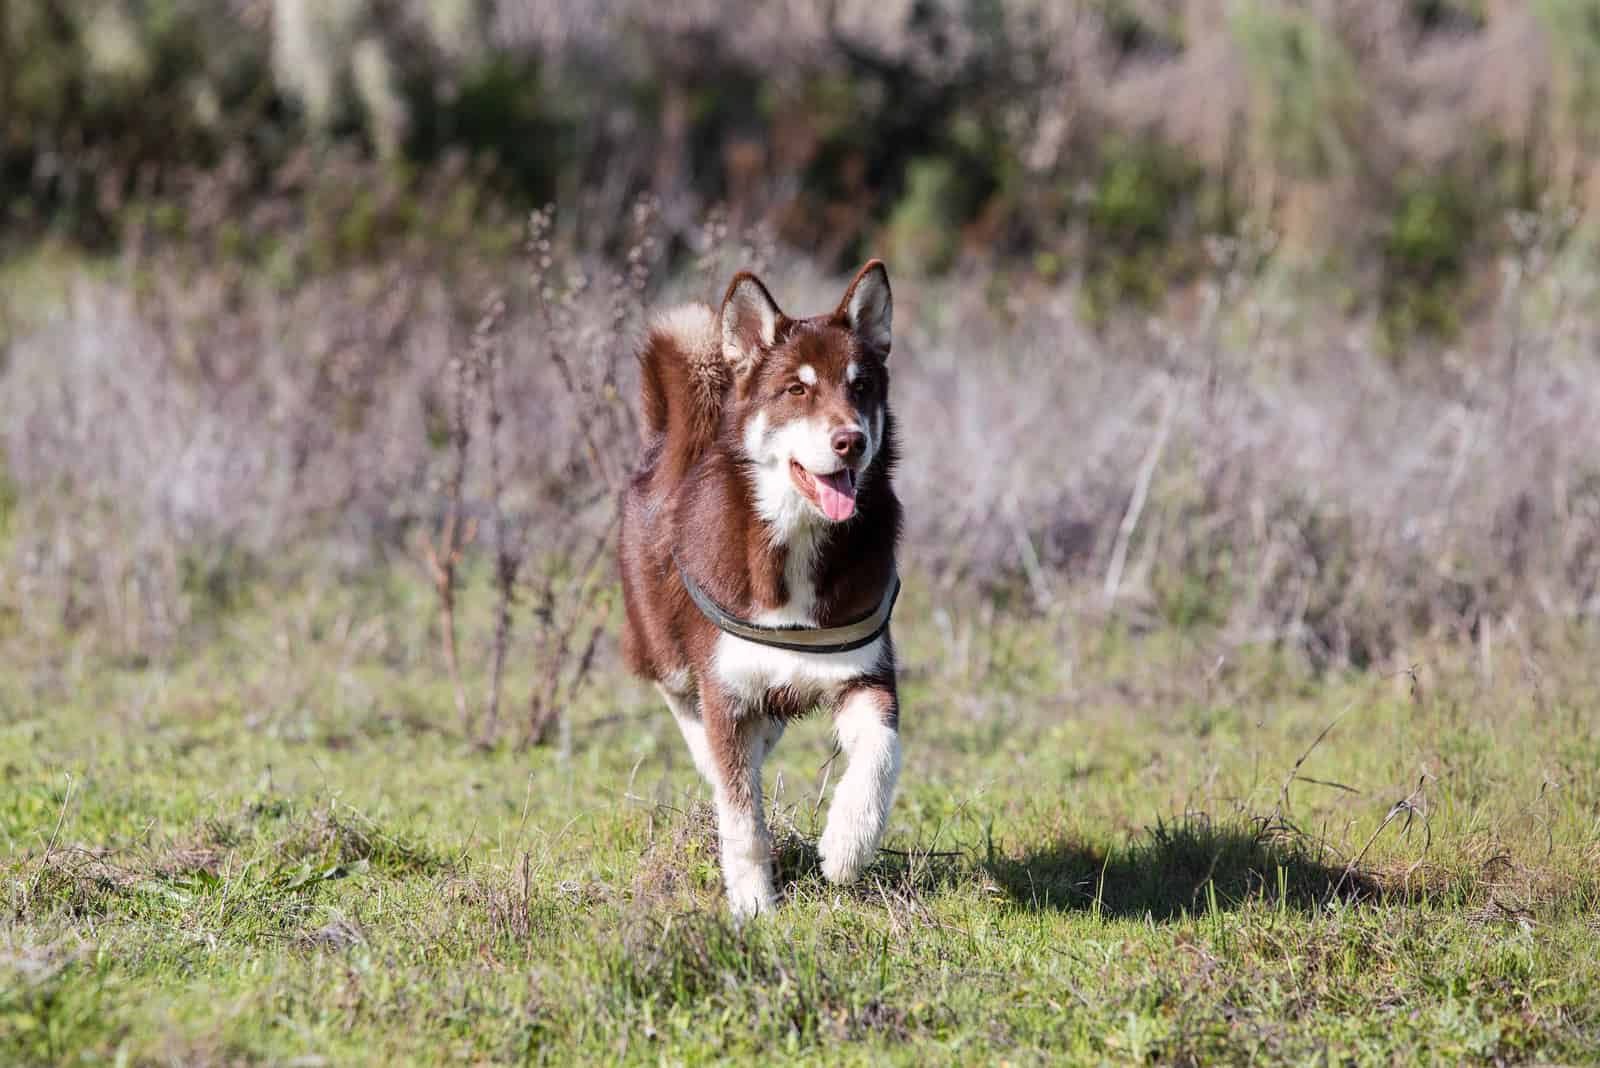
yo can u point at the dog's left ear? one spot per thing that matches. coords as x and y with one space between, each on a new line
751 322
868 307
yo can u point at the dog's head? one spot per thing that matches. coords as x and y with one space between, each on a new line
810 395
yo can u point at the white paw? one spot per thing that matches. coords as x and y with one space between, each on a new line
750 894
843 857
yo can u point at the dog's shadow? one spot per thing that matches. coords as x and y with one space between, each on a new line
1184 869
1188 868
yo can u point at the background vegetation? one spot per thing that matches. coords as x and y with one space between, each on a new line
1383 143
1245 364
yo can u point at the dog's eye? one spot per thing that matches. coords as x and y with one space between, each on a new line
797 389
861 386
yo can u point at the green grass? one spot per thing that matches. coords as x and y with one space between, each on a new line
277 848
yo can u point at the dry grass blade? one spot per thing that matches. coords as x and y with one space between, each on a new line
1411 807
1328 783
1280 815
50 845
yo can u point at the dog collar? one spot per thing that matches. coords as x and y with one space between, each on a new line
798 639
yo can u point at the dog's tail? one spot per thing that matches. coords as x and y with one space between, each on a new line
683 382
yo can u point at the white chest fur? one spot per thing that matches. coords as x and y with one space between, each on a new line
749 670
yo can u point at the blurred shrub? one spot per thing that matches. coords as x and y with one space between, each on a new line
1130 205
1307 87
502 111
1448 14
1137 204
1425 258
1574 33
924 229
173 434
94 95
929 126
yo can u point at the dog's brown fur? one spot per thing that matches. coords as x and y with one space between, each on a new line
705 377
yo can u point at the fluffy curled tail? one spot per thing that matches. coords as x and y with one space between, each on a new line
683 381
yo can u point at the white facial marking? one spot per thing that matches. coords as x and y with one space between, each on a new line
789 515
861 801
852 372
793 521
811 442
807 374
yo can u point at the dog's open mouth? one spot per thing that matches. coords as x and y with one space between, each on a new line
835 494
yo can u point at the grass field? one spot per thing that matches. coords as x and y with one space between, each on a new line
277 849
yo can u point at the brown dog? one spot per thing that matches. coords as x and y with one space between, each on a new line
758 555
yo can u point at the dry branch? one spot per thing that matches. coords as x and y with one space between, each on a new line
507 543
1141 492
443 554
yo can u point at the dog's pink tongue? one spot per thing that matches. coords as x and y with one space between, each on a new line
837 494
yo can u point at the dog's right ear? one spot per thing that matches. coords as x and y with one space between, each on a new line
751 322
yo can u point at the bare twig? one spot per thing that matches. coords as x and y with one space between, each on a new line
444 553
1141 491
560 685
507 544
1030 557
570 611
544 294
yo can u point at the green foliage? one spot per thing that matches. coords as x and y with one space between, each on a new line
215 580
1573 28
1131 202
1431 231
1194 600
157 79
122 116
9 499
1425 257
1308 92
923 232
501 110
1131 221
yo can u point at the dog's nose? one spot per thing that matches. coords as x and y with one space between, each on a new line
849 444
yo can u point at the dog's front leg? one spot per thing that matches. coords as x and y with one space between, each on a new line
737 737
867 726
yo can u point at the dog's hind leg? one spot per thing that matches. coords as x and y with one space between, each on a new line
679 692
765 739
867 726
